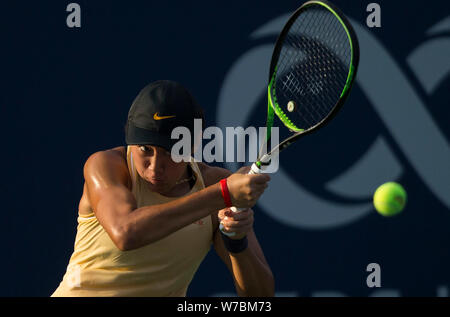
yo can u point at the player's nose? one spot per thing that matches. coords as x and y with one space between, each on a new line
157 164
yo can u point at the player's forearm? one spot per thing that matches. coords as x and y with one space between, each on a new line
152 223
253 276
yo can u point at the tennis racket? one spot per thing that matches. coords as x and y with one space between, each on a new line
313 66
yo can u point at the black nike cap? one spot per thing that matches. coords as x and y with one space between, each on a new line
159 108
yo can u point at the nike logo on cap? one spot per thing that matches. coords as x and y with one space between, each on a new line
157 117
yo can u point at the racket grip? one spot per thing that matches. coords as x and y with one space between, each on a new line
254 170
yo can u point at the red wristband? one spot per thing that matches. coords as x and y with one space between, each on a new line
225 193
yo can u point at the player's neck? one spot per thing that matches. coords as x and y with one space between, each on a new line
183 185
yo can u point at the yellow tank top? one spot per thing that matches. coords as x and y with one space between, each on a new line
162 268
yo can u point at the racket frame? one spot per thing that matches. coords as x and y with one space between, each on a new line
274 108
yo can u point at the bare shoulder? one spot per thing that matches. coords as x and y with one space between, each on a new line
106 157
212 174
108 165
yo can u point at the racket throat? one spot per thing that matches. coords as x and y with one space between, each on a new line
261 165
264 160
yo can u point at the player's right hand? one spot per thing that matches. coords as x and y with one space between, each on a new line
245 189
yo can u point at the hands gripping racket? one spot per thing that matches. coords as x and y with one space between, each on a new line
312 70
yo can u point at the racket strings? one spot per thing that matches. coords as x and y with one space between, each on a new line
313 66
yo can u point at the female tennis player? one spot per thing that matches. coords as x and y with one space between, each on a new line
146 223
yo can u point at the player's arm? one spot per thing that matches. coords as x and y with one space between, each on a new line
251 273
108 186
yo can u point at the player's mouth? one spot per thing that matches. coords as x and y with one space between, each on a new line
156 181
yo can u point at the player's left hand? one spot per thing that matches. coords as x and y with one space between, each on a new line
241 223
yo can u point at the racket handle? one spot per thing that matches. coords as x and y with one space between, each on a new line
254 170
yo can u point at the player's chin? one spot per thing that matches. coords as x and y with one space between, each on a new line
159 186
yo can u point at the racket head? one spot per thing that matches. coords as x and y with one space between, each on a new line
313 66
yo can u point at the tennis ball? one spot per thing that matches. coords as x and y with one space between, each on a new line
389 199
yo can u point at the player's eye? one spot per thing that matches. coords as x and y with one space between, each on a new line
145 149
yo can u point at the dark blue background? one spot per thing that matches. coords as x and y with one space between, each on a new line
65 94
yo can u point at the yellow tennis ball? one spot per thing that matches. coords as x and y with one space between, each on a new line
389 199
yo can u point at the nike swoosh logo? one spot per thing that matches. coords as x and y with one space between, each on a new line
157 117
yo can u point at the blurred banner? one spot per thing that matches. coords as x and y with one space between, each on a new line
66 91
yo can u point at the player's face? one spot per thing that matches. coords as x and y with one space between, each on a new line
155 165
